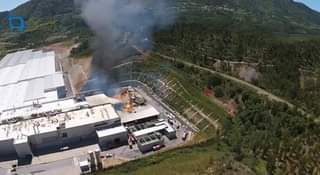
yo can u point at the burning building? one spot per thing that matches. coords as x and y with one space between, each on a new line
36 116
59 124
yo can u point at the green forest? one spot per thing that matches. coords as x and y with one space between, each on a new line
280 37
268 137
202 45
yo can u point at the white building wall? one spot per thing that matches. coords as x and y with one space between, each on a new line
78 134
61 137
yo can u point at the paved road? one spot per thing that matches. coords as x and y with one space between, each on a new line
231 78
226 76
258 90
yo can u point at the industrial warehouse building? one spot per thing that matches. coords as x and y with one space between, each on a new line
67 123
29 77
36 117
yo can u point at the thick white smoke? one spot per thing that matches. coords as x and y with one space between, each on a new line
118 24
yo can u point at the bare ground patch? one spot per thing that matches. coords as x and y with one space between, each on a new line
76 69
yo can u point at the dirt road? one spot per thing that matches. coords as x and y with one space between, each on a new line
76 70
258 90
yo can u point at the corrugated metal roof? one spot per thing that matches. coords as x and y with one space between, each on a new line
26 77
4 72
16 58
53 81
38 67
13 95
26 57
101 99
11 75
26 65
17 95
35 90
19 58
50 96
111 131
141 112
149 130
5 59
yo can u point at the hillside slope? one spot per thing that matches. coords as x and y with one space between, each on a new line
278 16
46 21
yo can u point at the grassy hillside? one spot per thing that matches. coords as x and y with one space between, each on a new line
45 9
263 137
47 21
200 159
273 16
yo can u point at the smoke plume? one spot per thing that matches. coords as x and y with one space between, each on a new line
119 24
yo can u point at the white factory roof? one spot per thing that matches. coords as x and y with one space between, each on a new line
149 130
74 118
15 58
101 99
27 111
141 112
158 127
62 105
111 131
28 77
169 128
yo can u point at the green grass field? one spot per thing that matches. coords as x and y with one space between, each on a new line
198 159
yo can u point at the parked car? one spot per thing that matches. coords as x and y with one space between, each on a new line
157 147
